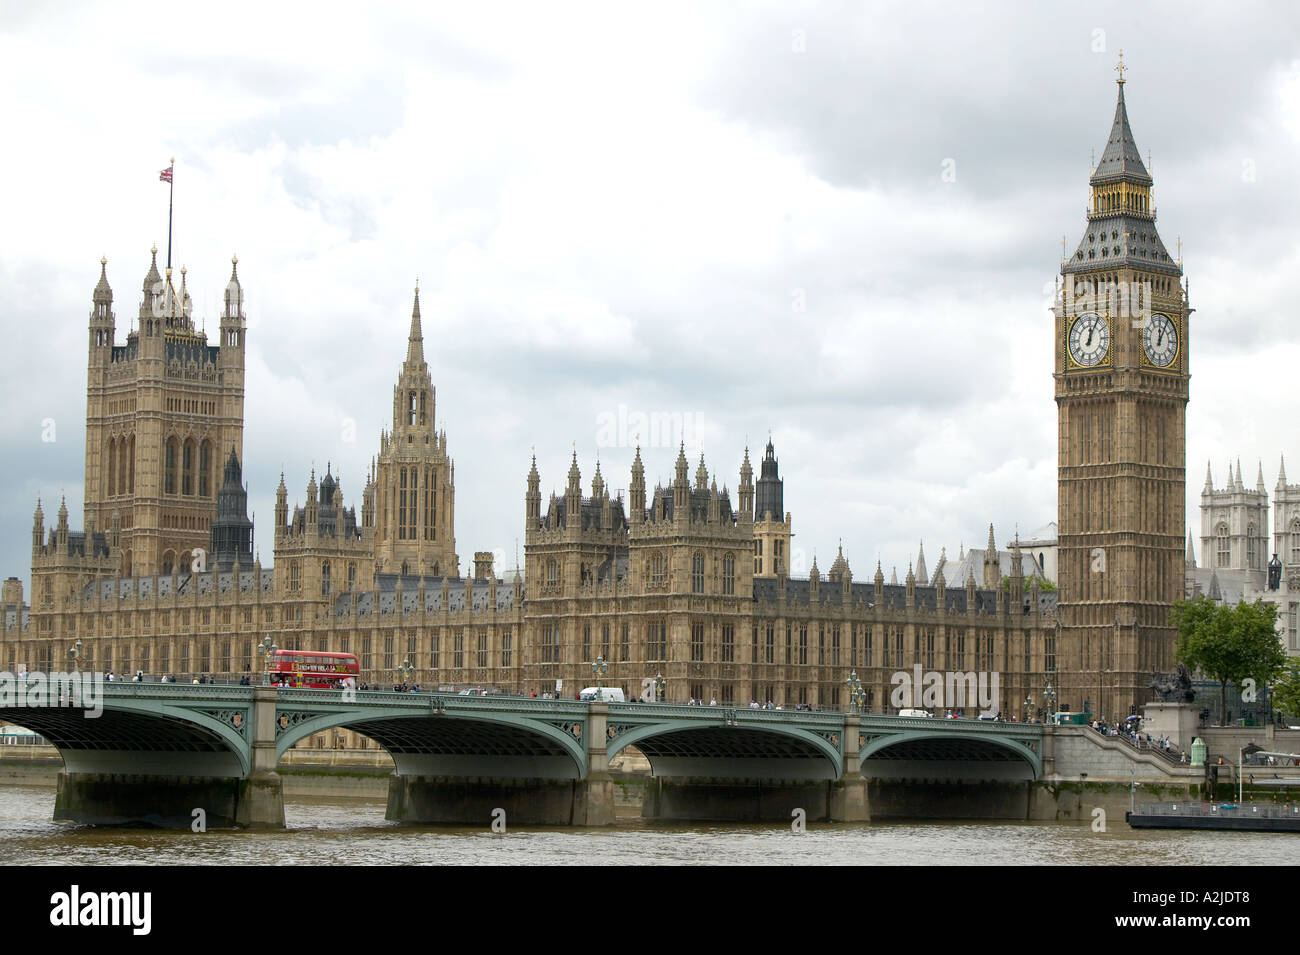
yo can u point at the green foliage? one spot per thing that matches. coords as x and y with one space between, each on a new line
1286 691
1229 644
1044 585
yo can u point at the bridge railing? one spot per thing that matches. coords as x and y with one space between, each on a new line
497 701
185 690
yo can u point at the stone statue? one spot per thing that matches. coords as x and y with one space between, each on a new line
1173 687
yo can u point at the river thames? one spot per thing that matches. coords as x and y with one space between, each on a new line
354 832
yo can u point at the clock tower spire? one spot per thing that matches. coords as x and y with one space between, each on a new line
1121 371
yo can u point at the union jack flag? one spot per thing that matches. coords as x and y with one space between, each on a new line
165 175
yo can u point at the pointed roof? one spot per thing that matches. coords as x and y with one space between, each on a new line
152 278
992 548
1259 480
893 577
103 293
1209 480
921 572
1119 237
1191 554
574 475
415 341
1121 159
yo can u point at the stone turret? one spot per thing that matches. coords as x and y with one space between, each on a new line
636 490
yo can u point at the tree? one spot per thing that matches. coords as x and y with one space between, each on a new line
1229 644
1044 585
1286 691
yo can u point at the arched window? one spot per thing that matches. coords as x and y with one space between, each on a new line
1295 541
130 466
728 574
188 454
1250 546
657 570
1222 552
552 573
205 469
169 479
112 467
325 578
697 574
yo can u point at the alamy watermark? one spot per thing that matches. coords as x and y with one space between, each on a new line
622 428
84 690
946 690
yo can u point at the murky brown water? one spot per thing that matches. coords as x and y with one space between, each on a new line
354 832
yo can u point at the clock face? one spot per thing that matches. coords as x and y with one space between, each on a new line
1160 340
1089 339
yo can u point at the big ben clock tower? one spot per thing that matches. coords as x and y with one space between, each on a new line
1121 392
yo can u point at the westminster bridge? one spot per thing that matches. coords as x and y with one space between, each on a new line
158 752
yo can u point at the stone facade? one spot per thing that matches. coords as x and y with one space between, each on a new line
670 583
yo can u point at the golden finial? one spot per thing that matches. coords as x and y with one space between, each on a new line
154 250
103 260
1120 68
234 260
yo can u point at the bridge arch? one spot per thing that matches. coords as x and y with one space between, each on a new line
957 755
425 742
149 737
721 748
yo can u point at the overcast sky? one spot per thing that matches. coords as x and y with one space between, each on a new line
738 216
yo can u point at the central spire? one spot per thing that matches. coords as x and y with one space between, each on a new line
1121 159
1121 218
415 342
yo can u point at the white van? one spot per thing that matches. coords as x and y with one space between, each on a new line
602 694
913 713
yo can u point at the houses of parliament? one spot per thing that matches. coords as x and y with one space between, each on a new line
680 581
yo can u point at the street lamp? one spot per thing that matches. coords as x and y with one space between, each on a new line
855 691
265 649
404 671
1049 700
660 683
1029 708
599 669
1241 753
74 654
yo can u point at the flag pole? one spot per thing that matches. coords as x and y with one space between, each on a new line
171 193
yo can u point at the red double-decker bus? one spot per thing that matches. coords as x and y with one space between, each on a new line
313 669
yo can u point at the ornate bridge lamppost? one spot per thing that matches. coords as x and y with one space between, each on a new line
404 671
1029 708
265 649
74 654
660 685
598 669
856 694
1049 701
